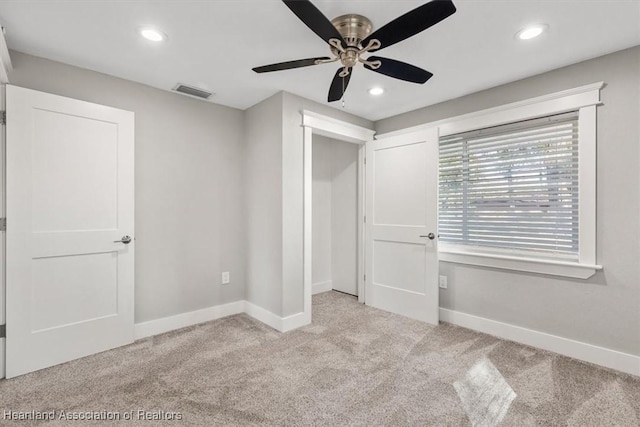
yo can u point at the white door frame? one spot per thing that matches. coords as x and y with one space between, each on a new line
318 124
5 68
3 290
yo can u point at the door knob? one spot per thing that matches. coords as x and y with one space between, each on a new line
125 239
431 236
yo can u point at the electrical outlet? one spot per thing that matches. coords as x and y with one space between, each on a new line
226 278
443 282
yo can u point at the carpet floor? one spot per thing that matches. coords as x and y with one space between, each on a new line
354 365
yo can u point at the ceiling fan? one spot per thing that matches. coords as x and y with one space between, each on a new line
350 36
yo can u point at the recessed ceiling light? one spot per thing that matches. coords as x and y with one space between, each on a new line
376 91
532 31
153 35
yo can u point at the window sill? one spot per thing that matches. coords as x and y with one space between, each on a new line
519 263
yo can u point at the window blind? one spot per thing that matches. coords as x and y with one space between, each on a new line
513 186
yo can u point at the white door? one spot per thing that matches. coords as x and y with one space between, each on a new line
69 194
401 212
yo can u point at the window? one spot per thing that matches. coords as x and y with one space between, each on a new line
517 185
512 187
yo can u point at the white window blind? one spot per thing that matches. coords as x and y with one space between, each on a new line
513 186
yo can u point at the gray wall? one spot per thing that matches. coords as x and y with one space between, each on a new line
188 186
322 171
263 203
344 219
605 309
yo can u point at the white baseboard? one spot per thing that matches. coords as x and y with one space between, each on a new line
320 287
166 324
295 321
613 359
263 315
171 323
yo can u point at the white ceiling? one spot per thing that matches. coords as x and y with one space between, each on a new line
214 44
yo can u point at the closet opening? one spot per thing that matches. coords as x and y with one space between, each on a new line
337 150
334 216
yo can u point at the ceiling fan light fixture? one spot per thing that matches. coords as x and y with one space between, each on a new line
153 34
531 32
376 91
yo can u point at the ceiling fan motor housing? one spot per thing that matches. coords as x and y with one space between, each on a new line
353 28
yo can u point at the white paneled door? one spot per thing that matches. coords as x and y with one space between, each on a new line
401 225
69 192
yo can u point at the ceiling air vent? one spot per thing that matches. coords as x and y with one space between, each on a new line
193 91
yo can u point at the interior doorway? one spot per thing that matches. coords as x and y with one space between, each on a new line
316 125
334 215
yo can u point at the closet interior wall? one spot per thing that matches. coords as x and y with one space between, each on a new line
334 215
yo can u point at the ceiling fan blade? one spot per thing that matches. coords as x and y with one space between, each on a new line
314 19
411 23
339 85
288 65
399 70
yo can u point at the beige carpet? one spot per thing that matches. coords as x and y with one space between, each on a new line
353 366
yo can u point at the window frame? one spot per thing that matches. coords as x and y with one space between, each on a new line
585 100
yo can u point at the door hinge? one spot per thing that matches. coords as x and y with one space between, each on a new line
365 219
3 117
3 331
3 224
365 278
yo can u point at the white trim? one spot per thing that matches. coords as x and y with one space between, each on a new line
3 258
413 137
549 104
608 358
320 287
2 352
307 220
280 324
361 194
334 128
295 321
587 165
171 323
183 320
3 288
5 59
263 315
519 263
